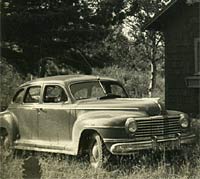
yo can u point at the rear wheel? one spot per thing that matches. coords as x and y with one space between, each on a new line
5 143
98 154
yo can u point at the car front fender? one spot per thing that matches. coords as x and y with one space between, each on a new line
105 125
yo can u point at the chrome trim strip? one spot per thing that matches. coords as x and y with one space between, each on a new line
117 140
34 145
61 151
59 105
157 117
106 127
107 108
149 144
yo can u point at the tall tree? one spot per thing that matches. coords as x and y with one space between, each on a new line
148 45
33 30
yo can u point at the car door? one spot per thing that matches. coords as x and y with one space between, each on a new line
24 107
55 115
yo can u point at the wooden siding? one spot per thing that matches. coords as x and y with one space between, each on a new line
180 32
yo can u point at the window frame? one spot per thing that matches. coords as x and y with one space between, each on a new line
17 93
87 81
26 91
53 84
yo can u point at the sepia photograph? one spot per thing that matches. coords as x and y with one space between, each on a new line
100 89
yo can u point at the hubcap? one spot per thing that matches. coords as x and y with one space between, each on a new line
7 144
95 156
95 152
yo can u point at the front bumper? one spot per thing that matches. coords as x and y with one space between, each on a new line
156 144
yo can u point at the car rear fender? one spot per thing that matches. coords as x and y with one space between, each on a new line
8 122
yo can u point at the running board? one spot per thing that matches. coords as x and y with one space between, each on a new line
44 148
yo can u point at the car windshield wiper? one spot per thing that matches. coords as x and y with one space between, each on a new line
110 96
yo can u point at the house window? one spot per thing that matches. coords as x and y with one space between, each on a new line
197 55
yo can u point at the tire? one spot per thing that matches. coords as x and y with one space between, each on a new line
98 154
6 144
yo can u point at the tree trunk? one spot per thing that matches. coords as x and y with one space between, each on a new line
42 67
152 84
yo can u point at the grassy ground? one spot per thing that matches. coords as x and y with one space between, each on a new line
147 165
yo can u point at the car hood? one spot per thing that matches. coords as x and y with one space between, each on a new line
151 106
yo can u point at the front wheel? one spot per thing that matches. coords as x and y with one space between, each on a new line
98 154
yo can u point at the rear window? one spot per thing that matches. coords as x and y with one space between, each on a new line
18 98
32 95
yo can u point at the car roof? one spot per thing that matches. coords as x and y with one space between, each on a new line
67 79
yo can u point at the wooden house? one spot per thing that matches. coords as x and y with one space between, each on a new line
180 24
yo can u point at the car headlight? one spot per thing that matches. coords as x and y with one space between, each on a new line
184 120
131 125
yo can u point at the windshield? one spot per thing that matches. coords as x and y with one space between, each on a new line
97 89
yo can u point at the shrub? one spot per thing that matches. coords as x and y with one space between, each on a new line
9 81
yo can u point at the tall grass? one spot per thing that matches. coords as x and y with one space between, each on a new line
146 165
71 168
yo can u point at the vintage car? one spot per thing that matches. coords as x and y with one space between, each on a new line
80 114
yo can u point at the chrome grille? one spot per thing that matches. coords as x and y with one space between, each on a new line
159 126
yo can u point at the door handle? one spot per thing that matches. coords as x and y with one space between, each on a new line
41 109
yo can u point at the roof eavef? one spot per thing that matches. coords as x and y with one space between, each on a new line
160 14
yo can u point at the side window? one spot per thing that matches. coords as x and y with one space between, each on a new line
32 95
54 94
18 96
